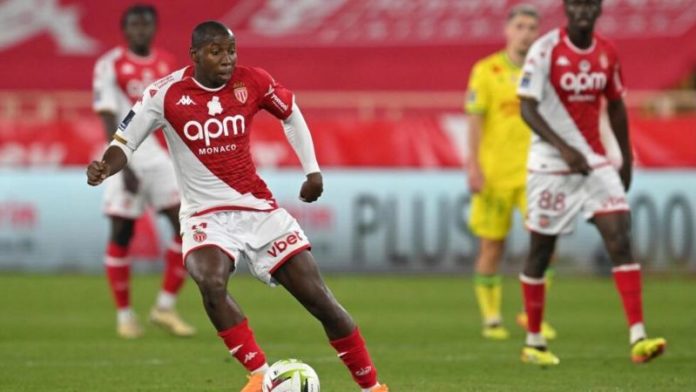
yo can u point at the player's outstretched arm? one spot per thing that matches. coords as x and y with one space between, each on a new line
530 113
113 161
299 137
619 124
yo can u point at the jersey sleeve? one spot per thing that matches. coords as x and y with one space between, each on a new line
104 88
145 117
535 72
615 88
478 92
276 98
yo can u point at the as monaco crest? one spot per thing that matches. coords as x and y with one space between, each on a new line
241 93
199 233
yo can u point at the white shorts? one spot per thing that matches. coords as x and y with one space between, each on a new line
265 240
157 189
554 200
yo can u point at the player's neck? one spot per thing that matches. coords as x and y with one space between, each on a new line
514 57
142 51
582 39
206 82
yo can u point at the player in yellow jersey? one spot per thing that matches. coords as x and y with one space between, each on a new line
498 144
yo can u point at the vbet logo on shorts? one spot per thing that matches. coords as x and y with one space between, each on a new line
583 81
281 245
213 128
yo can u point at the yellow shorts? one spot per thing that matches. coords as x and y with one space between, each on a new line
491 211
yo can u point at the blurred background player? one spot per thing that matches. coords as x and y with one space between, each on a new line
120 77
498 145
228 213
565 75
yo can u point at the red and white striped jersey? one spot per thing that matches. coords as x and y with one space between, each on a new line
569 82
208 132
120 77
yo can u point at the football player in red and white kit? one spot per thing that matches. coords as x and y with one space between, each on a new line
565 76
228 214
120 77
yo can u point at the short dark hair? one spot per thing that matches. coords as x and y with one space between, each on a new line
206 31
523 9
138 9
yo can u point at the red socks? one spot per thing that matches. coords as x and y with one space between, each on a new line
174 271
533 290
117 265
352 351
239 339
627 279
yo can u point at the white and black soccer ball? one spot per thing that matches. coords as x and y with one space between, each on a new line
290 375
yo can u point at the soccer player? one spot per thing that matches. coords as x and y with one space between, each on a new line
228 214
496 129
565 76
120 77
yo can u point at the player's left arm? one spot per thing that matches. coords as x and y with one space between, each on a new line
299 137
280 102
618 118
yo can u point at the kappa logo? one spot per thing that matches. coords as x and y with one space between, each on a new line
250 356
185 100
282 245
199 233
214 106
563 61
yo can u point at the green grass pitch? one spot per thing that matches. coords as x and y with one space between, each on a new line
57 334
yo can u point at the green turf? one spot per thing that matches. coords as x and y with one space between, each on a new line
57 334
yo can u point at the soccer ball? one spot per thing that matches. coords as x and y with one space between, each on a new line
290 375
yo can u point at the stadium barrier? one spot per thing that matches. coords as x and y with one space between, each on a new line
367 220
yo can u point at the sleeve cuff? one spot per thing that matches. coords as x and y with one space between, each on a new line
122 146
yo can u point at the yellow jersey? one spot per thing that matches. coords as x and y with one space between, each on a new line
505 138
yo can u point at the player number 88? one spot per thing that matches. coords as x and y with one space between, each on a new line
548 202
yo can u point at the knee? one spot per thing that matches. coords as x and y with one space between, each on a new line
213 289
619 246
122 231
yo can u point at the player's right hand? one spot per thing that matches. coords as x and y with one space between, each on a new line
475 178
576 160
312 188
97 171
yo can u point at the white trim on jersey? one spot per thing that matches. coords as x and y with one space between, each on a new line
577 50
536 69
107 95
210 89
299 137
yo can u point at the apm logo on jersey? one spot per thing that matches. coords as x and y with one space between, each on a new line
584 84
213 129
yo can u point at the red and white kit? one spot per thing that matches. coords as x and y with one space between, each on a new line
569 83
224 202
120 77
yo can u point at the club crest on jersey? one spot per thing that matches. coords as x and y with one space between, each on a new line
240 92
214 106
603 61
199 232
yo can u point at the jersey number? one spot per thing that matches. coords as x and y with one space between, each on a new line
547 201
